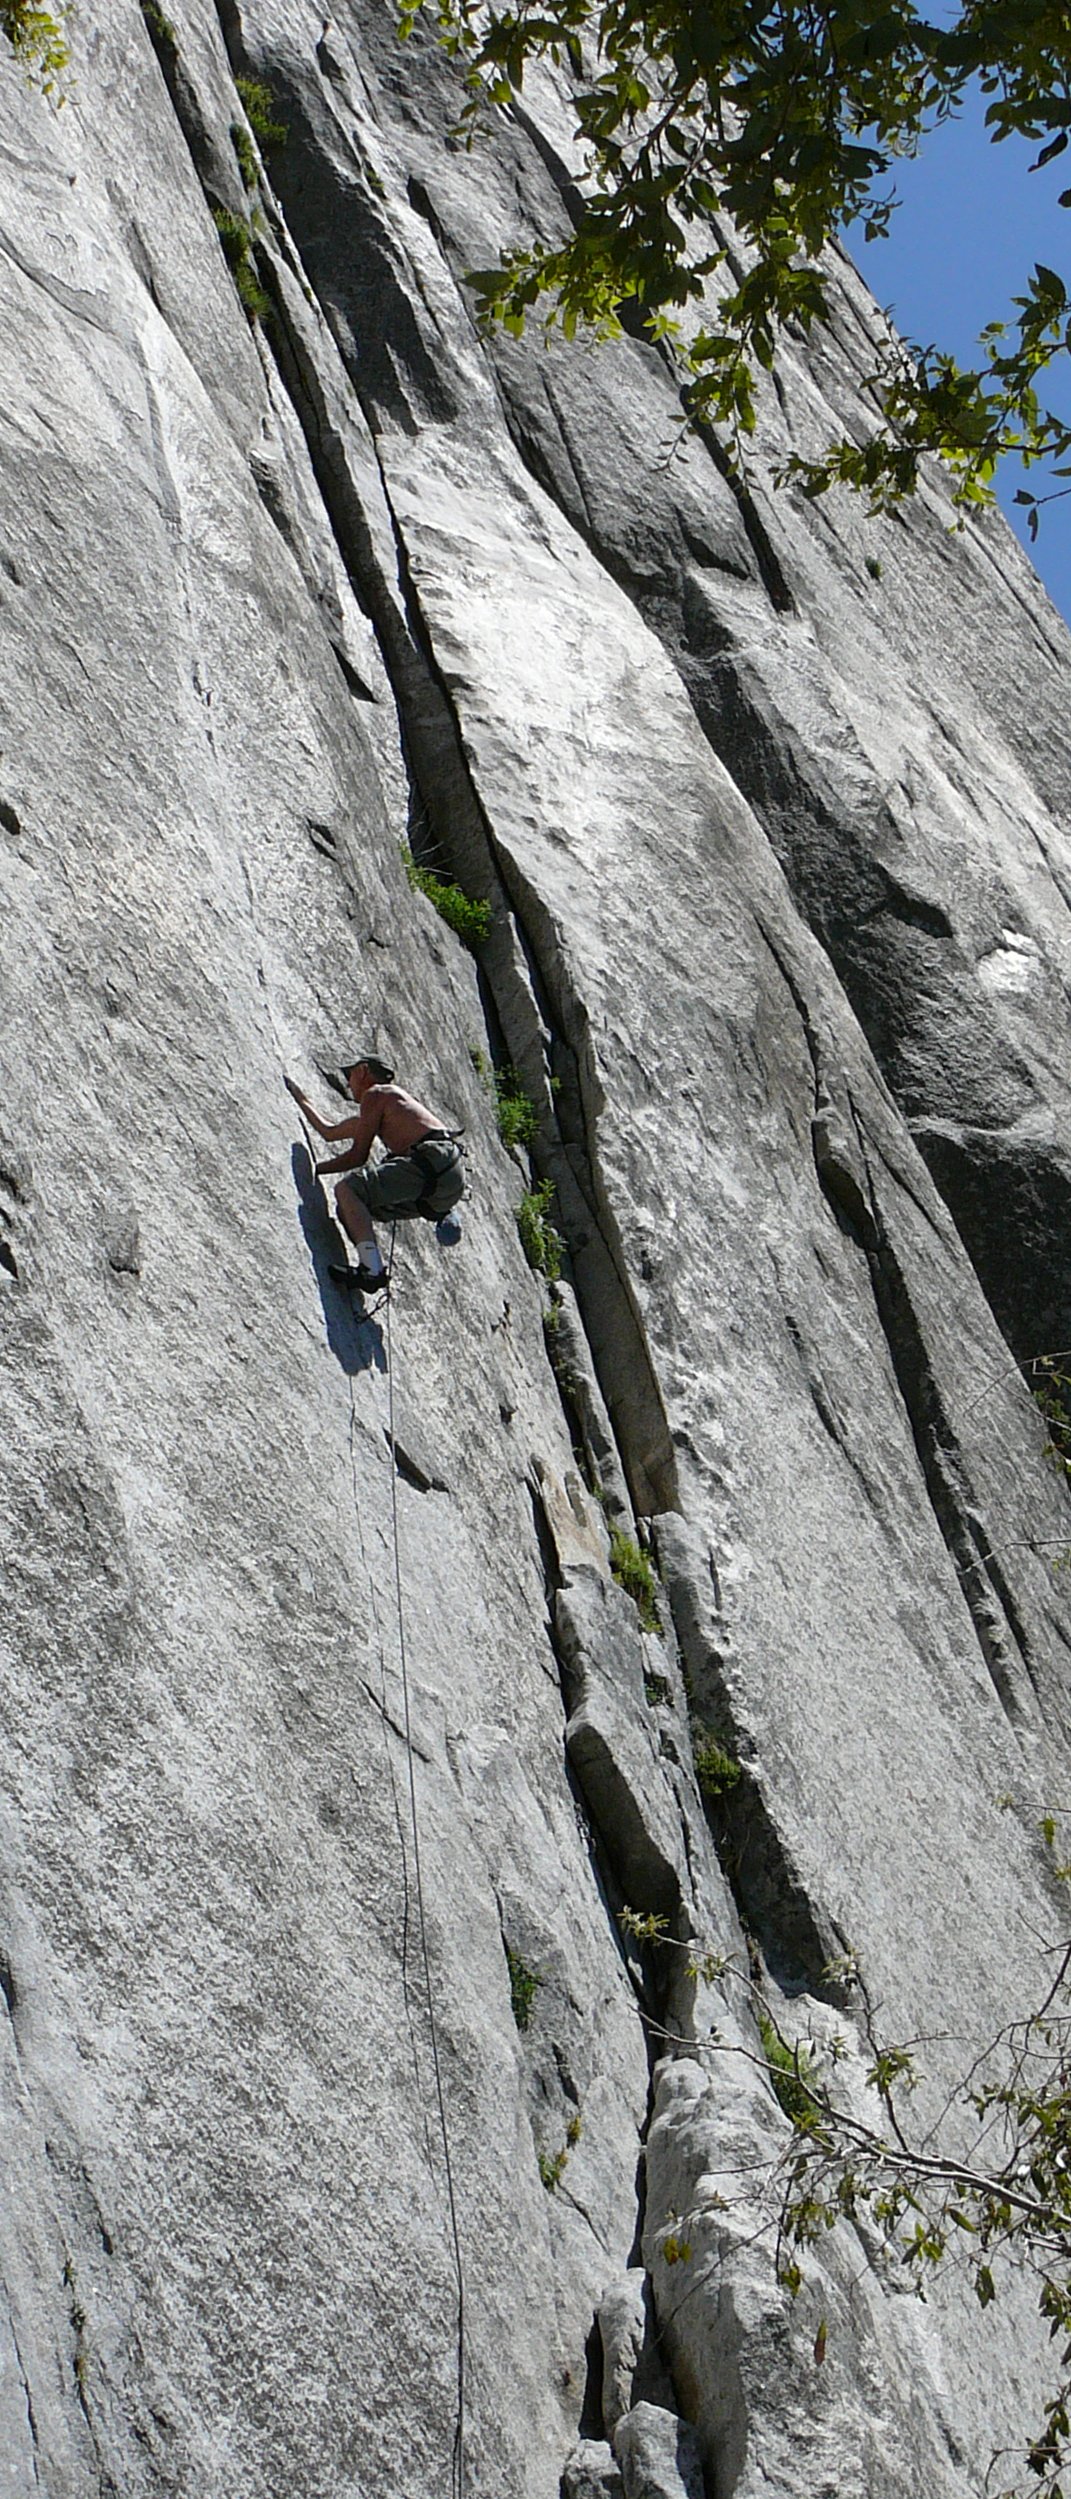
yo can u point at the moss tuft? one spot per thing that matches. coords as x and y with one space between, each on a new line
632 1570
715 1769
517 1114
540 1240
38 40
471 921
791 2073
523 1984
237 241
258 105
248 161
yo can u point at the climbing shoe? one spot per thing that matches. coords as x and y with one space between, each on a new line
359 1279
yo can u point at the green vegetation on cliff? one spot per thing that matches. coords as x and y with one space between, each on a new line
784 125
39 41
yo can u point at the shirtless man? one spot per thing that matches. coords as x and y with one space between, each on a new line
419 1174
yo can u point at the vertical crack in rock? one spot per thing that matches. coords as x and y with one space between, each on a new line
767 562
31 2417
956 1508
845 1173
460 829
433 742
612 1323
798 1940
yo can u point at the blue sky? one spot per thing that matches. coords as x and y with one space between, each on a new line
972 223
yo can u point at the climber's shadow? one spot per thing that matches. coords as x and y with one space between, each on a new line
355 1341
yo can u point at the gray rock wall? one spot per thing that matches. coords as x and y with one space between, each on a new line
774 849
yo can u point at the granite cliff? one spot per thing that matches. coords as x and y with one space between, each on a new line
768 804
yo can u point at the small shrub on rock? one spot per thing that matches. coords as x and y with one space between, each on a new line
38 40
791 2074
523 1984
161 30
236 238
715 1769
541 1242
632 1571
1050 1384
246 154
258 104
517 1114
553 2165
471 921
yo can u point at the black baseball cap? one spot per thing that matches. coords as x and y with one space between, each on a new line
377 1068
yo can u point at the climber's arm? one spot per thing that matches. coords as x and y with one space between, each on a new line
361 1132
331 1130
341 1162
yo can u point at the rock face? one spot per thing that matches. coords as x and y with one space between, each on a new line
767 804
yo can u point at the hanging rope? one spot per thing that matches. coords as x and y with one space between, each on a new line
457 2479
457 2470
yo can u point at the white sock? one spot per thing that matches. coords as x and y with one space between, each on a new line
371 1257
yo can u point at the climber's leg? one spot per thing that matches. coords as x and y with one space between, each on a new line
353 1216
356 1222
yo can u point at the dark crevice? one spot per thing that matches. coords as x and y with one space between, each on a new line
799 1944
8 1988
767 562
218 179
569 192
590 2424
762 547
993 1613
9 821
412 1472
844 1170
796 1940
31 2417
361 692
8 1260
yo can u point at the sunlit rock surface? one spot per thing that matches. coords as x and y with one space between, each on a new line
768 803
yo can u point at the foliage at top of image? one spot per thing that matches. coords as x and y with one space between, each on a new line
785 124
39 42
471 921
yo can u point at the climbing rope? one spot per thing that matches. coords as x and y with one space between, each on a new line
457 2471
457 2479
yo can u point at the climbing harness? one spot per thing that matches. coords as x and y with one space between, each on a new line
438 1156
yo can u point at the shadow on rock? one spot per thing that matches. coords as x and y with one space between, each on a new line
356 1342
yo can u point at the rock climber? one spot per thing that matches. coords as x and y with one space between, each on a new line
418 1174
